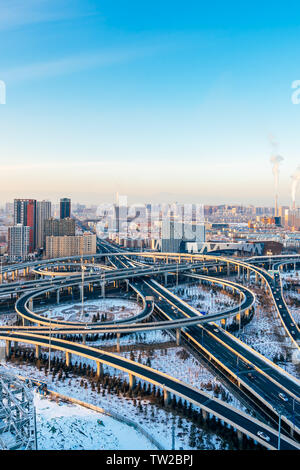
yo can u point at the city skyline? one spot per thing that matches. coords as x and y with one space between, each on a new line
154 102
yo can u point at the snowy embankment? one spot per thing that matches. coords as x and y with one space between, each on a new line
64 426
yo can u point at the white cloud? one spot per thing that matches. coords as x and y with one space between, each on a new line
16 13
75 63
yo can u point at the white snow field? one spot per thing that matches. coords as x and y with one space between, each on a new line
63 426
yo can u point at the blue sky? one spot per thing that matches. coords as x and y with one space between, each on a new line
161 100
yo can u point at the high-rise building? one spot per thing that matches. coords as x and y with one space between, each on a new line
59 227
43 211
57 247
65 208
174 233
25 214
18 242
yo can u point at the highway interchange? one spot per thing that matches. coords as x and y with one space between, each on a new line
257 381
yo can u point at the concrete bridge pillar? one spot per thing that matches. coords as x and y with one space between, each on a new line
167 397
118 342
68 358
84 338
239 271
15 345
37 351
99 372
239 436
127 284
132 381
81 292
166 278
204 414
178 336
30 304
228 269
248 274
7 348
57 296
103 289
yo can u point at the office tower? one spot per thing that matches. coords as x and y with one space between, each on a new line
65 208
18 242
174 234
25 214
57 247
43 212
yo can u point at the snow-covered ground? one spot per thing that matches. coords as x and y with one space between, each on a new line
113 308
156 421
64 426
204 298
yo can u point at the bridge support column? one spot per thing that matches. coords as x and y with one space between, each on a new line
103 289
81 293
228 269
239 271
166 279
118 342
37 351
178 336
204 414
248 274
68 358
30 305
239 436
256 277
57 296
16 345
167 397
132 381
7 348
127 285
99 372
83 338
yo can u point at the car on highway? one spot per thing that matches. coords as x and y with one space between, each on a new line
263 436
283 396
251 376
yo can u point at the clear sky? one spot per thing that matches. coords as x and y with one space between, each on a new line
160 100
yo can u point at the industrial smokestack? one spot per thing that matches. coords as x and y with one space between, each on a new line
276 160
295 181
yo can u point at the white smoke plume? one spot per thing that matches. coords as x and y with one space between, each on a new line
275 160
295 181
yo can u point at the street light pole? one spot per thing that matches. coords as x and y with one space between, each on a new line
279 429
49 359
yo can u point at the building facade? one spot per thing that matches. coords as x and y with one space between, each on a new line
43 211
65 208
25 214
18 242
62 246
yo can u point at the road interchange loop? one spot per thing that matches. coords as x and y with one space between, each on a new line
215 341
